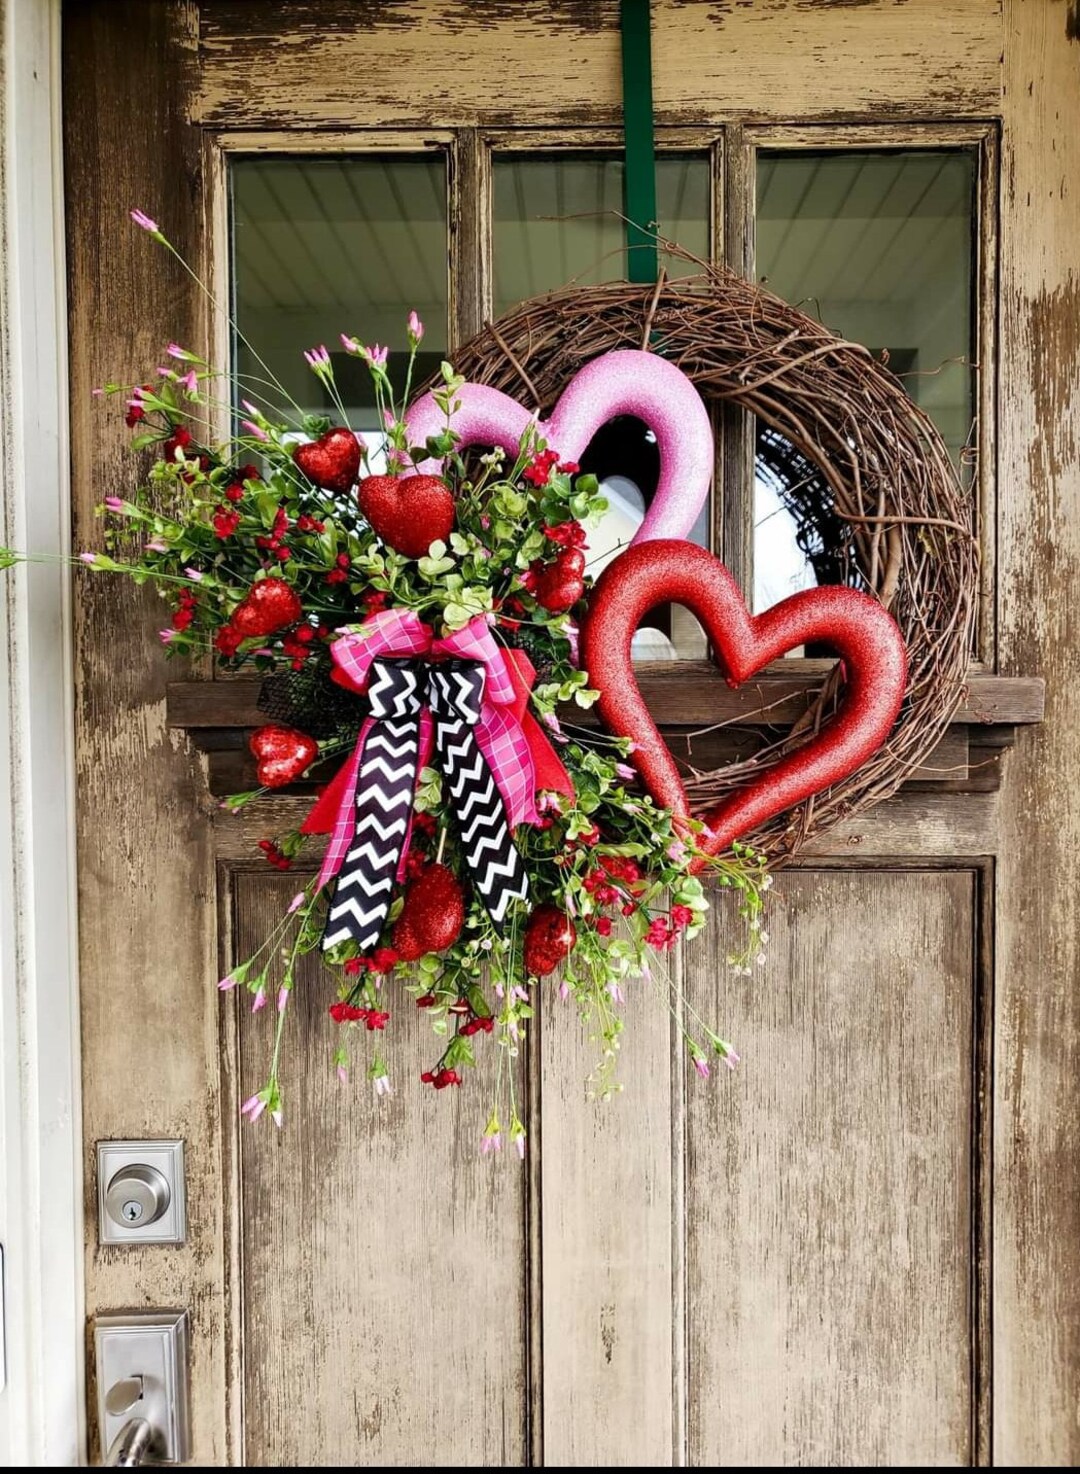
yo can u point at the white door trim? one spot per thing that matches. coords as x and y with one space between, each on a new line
42 1415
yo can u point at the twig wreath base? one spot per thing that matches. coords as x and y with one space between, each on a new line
888 503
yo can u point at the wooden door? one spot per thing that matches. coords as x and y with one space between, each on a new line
862 1247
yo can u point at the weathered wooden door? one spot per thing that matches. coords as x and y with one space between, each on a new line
862 1247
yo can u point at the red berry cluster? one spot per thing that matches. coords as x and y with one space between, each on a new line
478 1024
663 932
275 543
135 411
340 573
226 520
566 534
539 469
348 1013
234 492
613 868
228 640
296 645
274 856
185 611
180 439
381 961
441 1078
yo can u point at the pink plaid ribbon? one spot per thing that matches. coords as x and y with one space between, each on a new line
498 733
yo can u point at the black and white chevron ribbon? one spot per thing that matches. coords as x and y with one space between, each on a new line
456 690
398 691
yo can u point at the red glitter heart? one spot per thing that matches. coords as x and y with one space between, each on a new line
271 605
861 632
409 513
560 585
282 754
432 917
550 936
332 461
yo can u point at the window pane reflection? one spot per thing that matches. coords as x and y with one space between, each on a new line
327 245
879 246
555 223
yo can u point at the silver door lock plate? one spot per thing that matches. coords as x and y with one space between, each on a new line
141 1362
141 1192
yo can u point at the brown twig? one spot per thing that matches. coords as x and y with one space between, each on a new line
646 332
522 375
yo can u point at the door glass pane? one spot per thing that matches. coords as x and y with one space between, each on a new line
328 245
879 246
556 220
555 224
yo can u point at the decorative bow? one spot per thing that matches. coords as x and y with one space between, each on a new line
510 746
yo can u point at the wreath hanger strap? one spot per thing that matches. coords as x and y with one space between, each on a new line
639 175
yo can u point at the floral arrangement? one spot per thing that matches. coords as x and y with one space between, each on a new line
328 565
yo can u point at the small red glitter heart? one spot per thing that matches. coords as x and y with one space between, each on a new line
560 585
271 605
550 937
433 914
332 461
282 754
409 513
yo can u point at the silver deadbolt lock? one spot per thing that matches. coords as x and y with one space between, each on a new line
141 1192
137 1195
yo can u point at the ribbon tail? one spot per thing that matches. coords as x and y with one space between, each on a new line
498 871
384 796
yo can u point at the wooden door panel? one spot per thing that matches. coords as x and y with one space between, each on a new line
608 1202
381 1256
829 1182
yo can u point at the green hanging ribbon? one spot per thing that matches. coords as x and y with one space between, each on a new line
639 188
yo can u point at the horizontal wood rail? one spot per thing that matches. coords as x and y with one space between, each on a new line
683 693
705 721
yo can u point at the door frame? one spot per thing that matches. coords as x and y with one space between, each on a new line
42 1407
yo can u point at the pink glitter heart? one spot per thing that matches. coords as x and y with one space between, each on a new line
623 382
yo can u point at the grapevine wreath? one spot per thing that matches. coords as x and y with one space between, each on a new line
423 615
877 499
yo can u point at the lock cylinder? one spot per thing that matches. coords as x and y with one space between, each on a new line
137 1195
